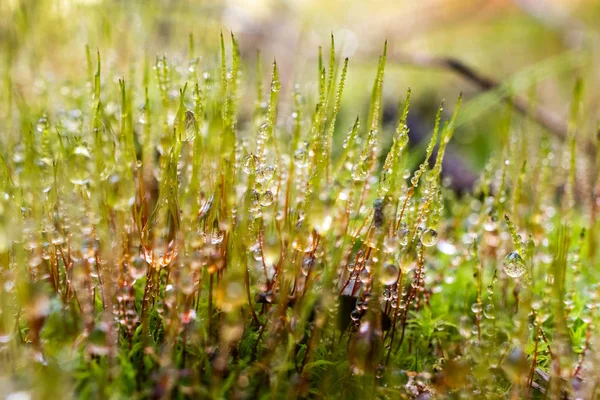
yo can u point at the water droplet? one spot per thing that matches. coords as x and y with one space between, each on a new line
257 254
191 126
403 235
249 163
514 266
266 199
386 179
488 311
306 266
359 172
42 124
254 201
429 237
300 157
386 295
389 274
265 174
365 276
275 86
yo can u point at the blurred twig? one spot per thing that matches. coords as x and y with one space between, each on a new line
543 116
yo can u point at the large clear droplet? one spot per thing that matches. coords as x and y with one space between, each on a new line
266 199
488 311
514 266
191 126
300 158
249 163
403 235
429 237
389 274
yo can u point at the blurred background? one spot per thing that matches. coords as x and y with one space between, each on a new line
534 48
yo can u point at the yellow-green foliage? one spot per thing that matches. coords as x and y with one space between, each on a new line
163 234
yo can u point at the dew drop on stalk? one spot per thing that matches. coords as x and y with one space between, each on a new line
275 86
385 179
191 126
249 163
310 245
279 215
386 295
429 237
359 173
266 199
266 173
514 266
389 274
257 254
365 276
42 124
491 224
403 235
254 201
300 158
306 266
488 311
260 177
350 267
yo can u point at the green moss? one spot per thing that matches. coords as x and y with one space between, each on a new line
170 235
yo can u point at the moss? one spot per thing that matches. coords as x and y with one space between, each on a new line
156 241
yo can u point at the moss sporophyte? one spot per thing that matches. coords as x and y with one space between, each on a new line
184 230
